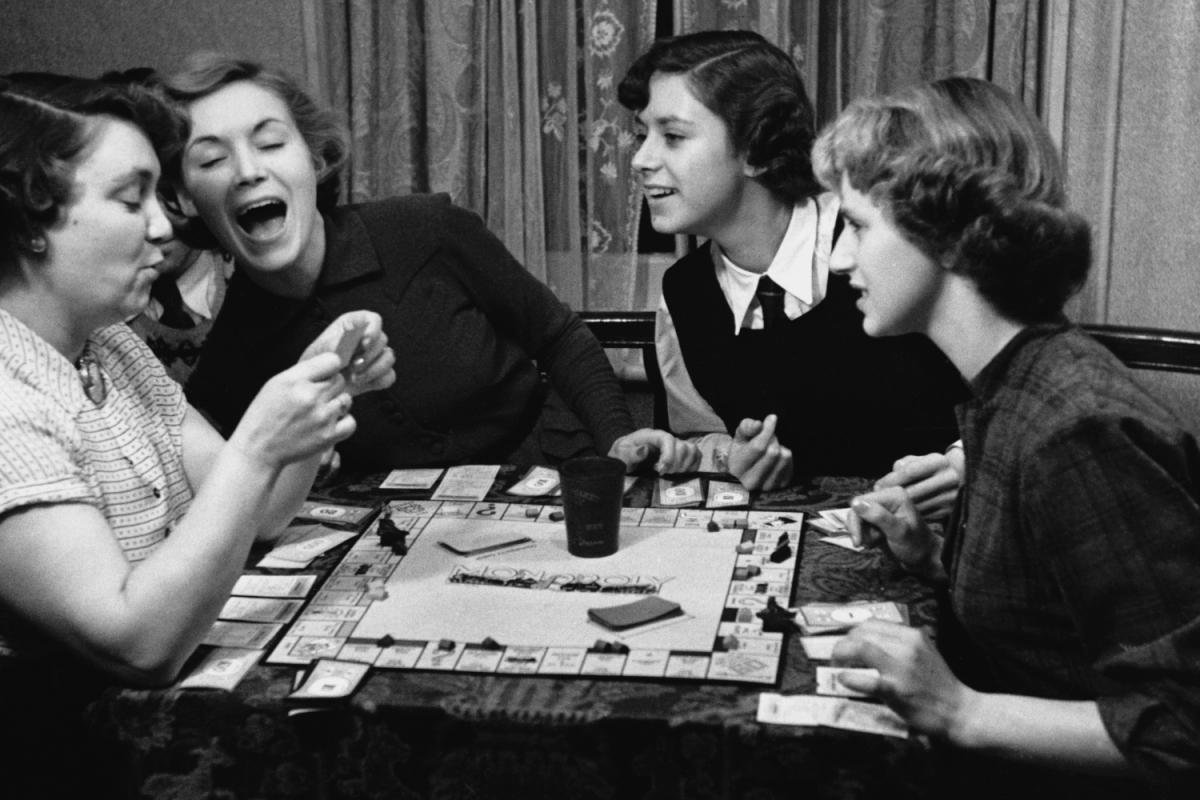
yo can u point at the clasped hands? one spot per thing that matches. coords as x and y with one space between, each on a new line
755 456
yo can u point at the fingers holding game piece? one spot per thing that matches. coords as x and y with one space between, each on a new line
888 518
756 458
358 341
931 480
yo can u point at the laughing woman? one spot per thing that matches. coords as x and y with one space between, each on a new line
124 517
1068 655
492 367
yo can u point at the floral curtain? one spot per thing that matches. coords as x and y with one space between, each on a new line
855 47
507 105
510 105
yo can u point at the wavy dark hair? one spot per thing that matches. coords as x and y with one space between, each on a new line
206 73
754 87
971 177
47 122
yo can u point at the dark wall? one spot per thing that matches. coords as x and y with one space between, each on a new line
87 37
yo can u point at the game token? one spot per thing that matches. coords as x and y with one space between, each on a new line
745 548
781 554
445 644
491 644
753 571
531 512
390 535
776 618
713 527
557 516
385 642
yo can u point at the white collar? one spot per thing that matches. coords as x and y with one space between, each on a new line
197 281
800 264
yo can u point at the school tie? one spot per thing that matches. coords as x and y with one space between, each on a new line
770 299
174 315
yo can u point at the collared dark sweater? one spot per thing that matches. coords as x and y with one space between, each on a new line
473 332
1074 558
848 404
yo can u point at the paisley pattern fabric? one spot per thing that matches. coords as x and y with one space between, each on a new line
451 735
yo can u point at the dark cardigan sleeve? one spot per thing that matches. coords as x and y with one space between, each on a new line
524 309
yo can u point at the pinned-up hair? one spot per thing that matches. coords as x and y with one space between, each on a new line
753 87
972 177
47 122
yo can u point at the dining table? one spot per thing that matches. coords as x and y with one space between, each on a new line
438 734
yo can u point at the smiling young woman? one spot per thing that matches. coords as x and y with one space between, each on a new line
493 368
761 350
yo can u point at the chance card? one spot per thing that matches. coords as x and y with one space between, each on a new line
330 679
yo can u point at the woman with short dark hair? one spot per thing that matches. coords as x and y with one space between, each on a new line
761 350
124 518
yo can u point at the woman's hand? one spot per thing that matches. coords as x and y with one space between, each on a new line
913 680
931 480
756 458
357 338
673 455
299 413
889 519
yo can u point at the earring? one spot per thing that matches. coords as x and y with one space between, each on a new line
37 244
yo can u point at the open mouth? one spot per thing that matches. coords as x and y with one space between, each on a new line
262 219
659 193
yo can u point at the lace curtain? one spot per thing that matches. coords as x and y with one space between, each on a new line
510 107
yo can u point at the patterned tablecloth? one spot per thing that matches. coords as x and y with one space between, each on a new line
455 735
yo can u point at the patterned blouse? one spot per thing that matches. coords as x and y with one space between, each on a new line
124 455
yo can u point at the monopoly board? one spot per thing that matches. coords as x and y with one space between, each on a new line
446 599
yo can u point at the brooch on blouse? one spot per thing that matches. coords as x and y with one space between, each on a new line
91 377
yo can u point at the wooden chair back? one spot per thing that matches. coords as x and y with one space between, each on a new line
1151 350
